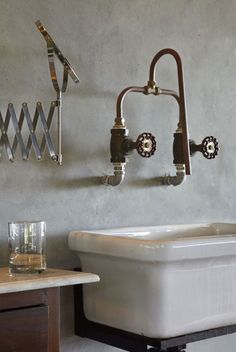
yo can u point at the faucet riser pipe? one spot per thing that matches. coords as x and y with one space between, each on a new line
182 108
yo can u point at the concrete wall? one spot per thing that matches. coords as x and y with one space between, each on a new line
111 43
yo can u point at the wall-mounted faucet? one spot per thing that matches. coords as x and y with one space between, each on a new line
145 144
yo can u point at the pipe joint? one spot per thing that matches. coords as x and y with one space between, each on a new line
117 178
152 88
175 180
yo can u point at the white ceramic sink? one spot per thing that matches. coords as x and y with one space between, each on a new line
160 281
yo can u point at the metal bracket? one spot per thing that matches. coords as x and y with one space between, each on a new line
131 342
32 138
53 48
39 148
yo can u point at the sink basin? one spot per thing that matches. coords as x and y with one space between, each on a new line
160 281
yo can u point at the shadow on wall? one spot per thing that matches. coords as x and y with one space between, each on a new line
60 257
95 181
83 182
146 182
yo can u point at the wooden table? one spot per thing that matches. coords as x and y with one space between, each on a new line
30 308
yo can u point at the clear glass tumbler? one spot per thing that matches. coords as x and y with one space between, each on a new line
27 245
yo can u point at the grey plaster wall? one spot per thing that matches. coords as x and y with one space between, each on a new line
111 43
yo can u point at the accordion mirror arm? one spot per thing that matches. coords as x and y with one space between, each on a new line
52 49
14 133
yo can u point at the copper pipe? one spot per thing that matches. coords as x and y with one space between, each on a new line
177 58
181 100
169 92
120 121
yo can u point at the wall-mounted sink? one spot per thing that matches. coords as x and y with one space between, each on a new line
160 281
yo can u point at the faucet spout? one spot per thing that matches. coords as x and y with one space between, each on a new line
183 127
117 178
175 180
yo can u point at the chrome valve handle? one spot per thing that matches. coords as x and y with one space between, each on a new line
146 144
209 147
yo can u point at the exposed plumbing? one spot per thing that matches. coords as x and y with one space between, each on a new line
121 145
175 180
118 177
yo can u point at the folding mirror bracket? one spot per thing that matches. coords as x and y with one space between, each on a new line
39 147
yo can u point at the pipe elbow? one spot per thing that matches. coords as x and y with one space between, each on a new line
117 178
178 179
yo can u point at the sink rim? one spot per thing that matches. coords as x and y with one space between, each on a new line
221 243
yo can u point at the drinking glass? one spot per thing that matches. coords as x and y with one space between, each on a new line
27 245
